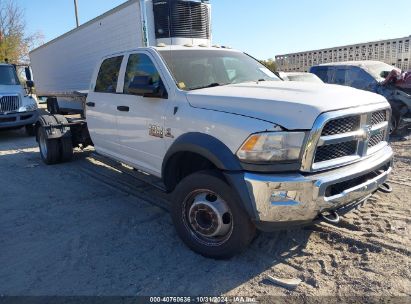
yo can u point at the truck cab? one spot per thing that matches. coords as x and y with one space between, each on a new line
17 107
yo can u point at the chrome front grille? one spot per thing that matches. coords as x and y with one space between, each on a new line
376 139
329 152
341 125
378 117
345 136
9 104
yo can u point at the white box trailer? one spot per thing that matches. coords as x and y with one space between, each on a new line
63 67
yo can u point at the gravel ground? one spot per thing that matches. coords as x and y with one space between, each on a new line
83 228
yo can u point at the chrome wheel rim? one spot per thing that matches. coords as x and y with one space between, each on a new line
43 145
208 217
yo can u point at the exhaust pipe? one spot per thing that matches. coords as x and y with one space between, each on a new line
331 217
385 188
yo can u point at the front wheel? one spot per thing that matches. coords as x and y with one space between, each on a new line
208 217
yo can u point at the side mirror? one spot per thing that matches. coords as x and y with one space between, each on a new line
384 74
30 84
27 71
144 86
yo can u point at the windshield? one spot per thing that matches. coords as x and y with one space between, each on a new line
305 77
197 69
8 75
380 70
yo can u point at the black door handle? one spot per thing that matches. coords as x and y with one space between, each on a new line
90 104
123 108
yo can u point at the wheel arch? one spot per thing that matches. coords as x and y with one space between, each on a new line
197 147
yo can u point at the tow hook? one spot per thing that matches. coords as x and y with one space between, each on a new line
331 217
385 188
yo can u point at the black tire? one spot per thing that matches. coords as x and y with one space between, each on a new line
49 148
241 231
30 130
66 146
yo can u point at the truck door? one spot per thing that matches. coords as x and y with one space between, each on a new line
101 107
141 119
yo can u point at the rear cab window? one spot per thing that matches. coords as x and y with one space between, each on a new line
107 78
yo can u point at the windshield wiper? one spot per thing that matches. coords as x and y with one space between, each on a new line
214 84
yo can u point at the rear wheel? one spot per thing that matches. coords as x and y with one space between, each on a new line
49 148
208 218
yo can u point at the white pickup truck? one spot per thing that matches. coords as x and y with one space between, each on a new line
239 148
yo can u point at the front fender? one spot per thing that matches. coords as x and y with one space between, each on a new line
207 146
223 159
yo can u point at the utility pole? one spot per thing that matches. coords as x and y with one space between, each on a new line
76 12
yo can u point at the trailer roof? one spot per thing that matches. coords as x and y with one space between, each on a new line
117 8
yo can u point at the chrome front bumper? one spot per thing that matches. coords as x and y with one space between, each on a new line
285 198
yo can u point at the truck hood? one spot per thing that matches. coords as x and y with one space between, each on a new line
292 105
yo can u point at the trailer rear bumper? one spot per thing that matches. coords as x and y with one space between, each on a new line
18 119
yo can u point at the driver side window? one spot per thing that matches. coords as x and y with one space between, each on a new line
139 65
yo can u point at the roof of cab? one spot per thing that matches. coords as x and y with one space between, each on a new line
352 63
174 48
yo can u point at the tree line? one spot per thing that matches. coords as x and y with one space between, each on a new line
270 64
15 42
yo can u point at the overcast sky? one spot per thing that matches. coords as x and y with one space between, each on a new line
262 28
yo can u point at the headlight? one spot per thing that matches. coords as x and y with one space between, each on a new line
272 146
31 107
29 104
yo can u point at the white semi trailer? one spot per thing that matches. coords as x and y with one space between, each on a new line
64 66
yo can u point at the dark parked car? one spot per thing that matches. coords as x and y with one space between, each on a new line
374 76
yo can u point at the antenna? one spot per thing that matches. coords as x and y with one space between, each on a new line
76 12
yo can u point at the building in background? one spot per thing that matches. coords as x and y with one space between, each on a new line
396 52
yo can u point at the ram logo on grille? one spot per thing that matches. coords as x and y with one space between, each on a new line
367 132
9 104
